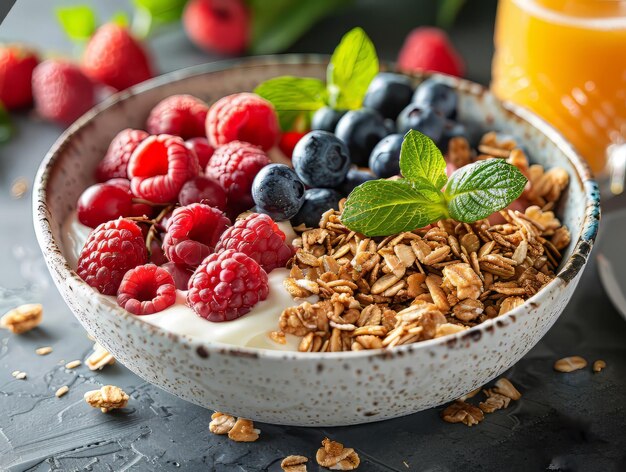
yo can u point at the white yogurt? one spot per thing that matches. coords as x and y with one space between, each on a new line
251 330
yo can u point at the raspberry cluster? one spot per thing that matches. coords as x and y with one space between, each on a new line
159 210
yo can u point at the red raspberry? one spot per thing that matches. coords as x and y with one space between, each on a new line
203 150
260 238
235 165
61 91
226 286
192 233
429 49
244 117
288 141
115 161
111 250
115 58
160 166
146 289
138 209
16 70
180 115
217 25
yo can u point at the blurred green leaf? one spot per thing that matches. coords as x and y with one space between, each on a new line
121 18
6 125
448 11
277 24
163 11
78 22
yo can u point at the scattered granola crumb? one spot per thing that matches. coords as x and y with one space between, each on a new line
73 364
471 394
22 318
15 372
99 358
243 431
294 464
19 187
107 398
18 374
495 401
598 365
462 412
278 337
506 388
406 464
221 423
570 364
61 391
334 456
43 351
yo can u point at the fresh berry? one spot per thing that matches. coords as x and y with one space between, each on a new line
390 126
385 158
326 119
226 286
242 117
258 237
220 26
278 192
203 189
235 165
424 120
111 250
156 255
203 150
61 91
288 141
321 159
16 71
354 178
103 202
180 273
429 49
192 233
115 58
388 94
138 209
361 130
179 115
115 161
146 289
317 201
436 95
160 166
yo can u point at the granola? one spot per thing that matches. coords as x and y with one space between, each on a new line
462 412
570 364
99 358
599 365
243 431
334 456
377 293
294 464
22 318
107 398
221 423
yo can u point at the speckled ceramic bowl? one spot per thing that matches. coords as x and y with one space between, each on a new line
301 388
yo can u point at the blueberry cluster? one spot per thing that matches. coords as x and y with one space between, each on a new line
347 148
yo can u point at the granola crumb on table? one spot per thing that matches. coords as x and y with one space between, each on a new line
22 318
570 364
334 456
107 398
599 365
243 431
294 464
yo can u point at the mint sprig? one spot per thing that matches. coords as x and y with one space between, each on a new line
384 207
352 67
79 21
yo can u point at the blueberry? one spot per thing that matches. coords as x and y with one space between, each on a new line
354 178
424 120
317 201
390 125
326 119
321 159
385 158
388 94
278 192
361 130
433 94
451 130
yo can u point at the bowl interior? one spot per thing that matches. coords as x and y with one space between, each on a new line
70 165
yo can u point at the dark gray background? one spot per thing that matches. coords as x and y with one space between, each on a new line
565 422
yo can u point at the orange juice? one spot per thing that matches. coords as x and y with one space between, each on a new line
566 61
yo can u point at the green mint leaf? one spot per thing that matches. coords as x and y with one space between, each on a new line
477 190
293 97
121 18
78 22
6 125
384 207
162 11
448 11
352 67
421 158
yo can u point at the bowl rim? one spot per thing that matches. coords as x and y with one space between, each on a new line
569 270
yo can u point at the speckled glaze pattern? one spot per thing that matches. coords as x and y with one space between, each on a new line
305 389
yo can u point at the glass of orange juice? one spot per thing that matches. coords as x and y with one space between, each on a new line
566 61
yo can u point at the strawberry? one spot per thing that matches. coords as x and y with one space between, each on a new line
115 58
16 69
61 91
429 49
220 26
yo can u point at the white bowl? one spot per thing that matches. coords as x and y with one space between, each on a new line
306 389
